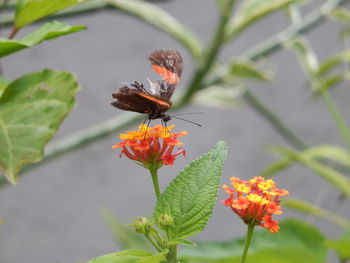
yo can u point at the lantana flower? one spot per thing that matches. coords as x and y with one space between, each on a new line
255 201
152 147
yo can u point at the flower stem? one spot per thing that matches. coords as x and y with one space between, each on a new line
101 130
172 254
153 243
247 241
154 174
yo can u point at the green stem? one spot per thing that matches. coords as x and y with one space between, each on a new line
153 243
339 121
287 133
154 174
172 255
277 41
209 58
307 23
98 131
247 241
266 48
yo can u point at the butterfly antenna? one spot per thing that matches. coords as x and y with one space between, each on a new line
195 123
187 113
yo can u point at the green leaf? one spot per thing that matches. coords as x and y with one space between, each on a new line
308 60
220 96
47 31
130 256
340 14
251 11
341 246
32 10
183 242
163 21
3 84
295 242
304 207
316 73
221 5
276 167
333 80
344 33
249 70
31 110
329 152
191 196
334 61
19 5
126 237
335 178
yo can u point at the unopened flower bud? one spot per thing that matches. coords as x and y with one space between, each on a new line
142 225
164 220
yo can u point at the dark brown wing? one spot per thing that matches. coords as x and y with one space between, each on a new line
168 64
138 101
171 60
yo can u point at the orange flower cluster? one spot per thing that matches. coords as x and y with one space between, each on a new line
151 146
255 201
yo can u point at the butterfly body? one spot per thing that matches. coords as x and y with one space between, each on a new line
156 101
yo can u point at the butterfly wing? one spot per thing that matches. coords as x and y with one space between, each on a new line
168 64
139 101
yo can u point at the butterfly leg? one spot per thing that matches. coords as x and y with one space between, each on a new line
164 124
147 125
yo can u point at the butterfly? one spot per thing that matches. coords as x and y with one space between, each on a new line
155 101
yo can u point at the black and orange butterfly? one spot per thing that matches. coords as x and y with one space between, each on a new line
154 102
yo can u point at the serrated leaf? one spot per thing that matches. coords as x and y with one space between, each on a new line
249 70
130 256
31 110
295 242
191 196
251 11
341 246
163 21
32 10
307 208
126 237
332 176
47 31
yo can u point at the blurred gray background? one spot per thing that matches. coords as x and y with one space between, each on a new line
54 213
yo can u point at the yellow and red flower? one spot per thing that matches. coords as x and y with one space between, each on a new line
151 146
255 201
